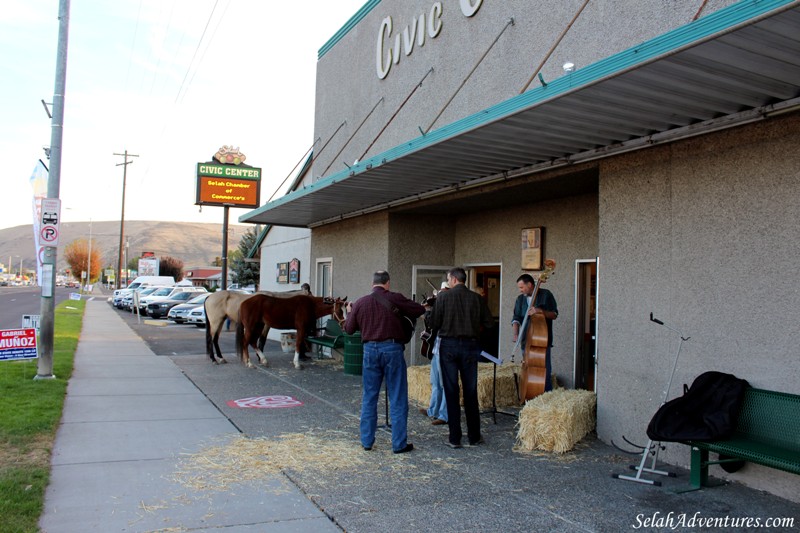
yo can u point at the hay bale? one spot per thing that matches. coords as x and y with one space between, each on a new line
419 385
556 420
505 389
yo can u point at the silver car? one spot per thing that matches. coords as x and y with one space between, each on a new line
180 313
197 316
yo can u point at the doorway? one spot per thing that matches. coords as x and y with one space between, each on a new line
425 279
324 285
485 280
586 305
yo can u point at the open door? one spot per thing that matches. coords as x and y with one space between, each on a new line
586 305
485 280
424 280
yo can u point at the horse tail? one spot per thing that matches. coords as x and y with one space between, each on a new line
239 339
209 344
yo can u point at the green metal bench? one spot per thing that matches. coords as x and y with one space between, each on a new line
767 432
333 336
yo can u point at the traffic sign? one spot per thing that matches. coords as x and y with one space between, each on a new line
49 235
30 321
51 218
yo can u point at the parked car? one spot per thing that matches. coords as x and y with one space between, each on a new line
140 283
126 302
197 316
165 293
180 313
160 308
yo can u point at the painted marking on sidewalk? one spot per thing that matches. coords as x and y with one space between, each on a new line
265 402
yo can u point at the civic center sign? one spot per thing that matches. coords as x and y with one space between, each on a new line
228 183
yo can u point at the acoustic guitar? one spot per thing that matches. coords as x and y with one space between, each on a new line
533 377
426 336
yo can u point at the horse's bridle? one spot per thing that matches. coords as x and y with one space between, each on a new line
341 305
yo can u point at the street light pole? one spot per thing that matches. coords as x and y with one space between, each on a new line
44 368
89 260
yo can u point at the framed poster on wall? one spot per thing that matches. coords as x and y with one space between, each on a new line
532 241
294 271
282 274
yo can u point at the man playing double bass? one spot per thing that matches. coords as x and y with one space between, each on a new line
545 304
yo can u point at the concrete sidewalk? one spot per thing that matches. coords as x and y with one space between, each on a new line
129 417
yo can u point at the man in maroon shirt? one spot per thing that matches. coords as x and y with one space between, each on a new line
376 316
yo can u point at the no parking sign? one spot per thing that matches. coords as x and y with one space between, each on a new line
50 221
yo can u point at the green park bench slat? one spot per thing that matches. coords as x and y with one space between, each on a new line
767 433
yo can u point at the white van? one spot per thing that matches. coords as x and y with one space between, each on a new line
139 283
144 281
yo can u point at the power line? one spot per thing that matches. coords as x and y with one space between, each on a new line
197 48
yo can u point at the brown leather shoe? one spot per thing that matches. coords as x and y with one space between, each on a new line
423 411
439 422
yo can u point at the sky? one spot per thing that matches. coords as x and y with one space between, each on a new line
170 81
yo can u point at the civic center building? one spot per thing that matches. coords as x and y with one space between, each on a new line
650 148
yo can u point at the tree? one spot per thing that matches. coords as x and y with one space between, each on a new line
76 254
171 266
248 271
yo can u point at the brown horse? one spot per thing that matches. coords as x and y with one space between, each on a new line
223 305
261 312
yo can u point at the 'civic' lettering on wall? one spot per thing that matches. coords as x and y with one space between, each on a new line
388 50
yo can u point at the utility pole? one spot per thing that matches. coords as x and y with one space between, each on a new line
124 165
89 260
44 368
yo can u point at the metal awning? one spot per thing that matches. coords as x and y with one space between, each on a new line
734 66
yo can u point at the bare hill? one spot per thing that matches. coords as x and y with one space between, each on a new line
194 243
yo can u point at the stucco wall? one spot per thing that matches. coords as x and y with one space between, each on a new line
419 240
281 246
358 247
570 233
703 233
348 86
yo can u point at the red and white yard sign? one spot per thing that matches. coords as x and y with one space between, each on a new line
16 344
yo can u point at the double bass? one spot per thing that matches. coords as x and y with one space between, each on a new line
533 376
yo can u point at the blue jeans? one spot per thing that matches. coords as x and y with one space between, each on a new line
438 406
384 359
459 357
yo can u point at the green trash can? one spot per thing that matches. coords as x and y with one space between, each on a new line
353 354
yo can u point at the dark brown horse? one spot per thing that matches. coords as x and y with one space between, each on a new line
224 305
261 312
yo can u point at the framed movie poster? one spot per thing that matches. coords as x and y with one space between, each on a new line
532 240
294 271
282 275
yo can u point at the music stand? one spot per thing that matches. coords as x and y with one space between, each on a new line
494 410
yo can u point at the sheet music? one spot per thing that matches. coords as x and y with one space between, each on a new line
492 358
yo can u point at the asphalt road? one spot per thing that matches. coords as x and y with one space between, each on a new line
18 301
